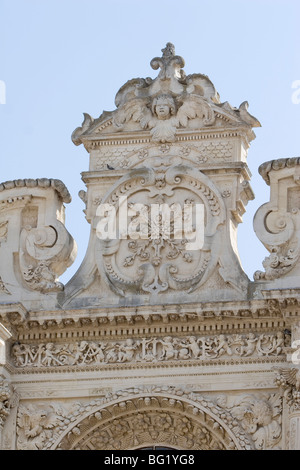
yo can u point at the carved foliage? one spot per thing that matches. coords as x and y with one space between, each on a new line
5 396
277 223
36 424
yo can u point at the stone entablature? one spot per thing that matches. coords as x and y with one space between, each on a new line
151 343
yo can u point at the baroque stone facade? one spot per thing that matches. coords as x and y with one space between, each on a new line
160 338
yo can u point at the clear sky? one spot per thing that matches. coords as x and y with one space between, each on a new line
60 58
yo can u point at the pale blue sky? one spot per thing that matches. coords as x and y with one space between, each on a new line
60 58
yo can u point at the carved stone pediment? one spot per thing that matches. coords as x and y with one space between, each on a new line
165 105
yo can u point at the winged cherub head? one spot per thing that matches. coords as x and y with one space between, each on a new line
163 106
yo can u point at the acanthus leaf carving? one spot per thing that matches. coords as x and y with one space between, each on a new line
5 395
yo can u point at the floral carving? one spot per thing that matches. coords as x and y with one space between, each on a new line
41 277
158 237
278 263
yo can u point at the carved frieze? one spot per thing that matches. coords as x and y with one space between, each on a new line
124 157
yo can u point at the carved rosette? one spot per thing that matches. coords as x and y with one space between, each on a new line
277 223
154 265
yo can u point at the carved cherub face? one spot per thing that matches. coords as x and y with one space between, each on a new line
163 106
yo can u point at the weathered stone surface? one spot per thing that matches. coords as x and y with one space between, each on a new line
156 340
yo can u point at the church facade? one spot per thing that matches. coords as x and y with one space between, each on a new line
160 339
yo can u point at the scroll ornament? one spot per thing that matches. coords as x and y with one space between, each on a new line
277 223
165 104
